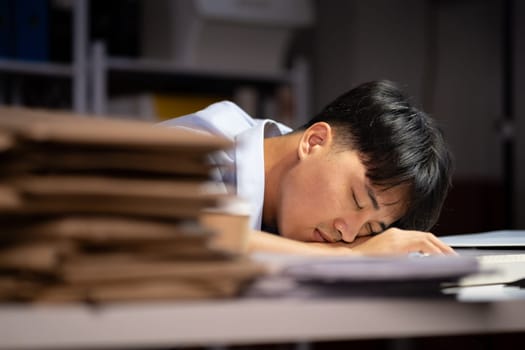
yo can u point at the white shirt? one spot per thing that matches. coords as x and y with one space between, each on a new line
244 164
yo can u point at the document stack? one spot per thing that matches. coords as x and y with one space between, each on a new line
360 276
100 210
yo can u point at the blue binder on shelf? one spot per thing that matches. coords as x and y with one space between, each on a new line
31 30
6 29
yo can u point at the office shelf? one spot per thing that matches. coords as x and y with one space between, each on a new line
165 67
149 73
36 68
92 71
77 70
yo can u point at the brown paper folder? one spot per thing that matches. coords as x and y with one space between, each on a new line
13 288
57 127
112 187
96 271
107 229
9 197
99 195
174 289
39 256
6 140
67 160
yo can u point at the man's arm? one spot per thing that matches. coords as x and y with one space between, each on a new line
260 241
391 242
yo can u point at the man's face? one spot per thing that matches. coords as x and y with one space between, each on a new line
326 197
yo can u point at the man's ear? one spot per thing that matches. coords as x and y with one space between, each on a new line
316 136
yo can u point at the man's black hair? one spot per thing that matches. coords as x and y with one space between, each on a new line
398 144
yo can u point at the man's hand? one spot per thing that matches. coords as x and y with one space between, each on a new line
397 241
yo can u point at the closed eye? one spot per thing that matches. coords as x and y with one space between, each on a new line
355 201
371 230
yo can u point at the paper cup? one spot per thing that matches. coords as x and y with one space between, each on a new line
230 222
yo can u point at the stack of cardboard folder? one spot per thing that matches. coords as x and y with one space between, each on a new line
96 210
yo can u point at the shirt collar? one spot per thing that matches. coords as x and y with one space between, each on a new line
249 155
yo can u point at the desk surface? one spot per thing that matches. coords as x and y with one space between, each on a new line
251 321
491 308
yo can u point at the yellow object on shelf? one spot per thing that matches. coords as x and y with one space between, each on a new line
170 105
156 107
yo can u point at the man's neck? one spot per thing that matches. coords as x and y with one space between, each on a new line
280 154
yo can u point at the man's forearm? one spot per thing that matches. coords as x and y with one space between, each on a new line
391 242
265 242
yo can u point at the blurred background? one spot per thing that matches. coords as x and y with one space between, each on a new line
285 59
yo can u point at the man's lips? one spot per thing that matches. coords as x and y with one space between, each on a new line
321 236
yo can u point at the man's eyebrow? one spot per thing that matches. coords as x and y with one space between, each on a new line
372 197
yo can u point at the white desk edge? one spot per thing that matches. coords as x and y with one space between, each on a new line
249 321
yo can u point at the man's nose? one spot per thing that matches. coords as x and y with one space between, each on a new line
347 231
